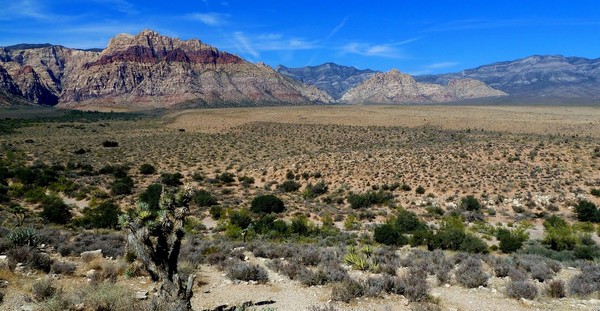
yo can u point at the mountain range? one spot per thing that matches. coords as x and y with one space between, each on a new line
149 70
144 71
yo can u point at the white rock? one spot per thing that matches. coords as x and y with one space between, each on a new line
90 255
141 295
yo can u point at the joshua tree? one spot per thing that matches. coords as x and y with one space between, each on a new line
155 237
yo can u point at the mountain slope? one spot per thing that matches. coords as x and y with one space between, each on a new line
394 87
329 77
147 71
535 76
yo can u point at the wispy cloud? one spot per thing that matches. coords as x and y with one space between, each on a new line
434 68
211 18
122 6
244 44
30 9
337 28
387 50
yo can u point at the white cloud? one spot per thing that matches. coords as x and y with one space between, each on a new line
387 50
433 68
211 19
442 65
244 44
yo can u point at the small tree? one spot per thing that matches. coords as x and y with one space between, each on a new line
587 211
156 240
268 203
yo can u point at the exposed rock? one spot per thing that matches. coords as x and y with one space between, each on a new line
329 77
91 255
540 76
146 71
394 87
141 295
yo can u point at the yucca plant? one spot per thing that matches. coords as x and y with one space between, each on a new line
155 238
23 237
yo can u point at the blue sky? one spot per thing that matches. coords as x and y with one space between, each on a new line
417 37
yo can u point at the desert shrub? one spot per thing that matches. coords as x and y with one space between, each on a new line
415 285
470 203
55 210
473 244
289 186
216 211
322 308
265 204
558 234
470 273
313 191
2 300
556 289
521 289
151 196
107 296
171 179
121 186
587 211
595 192
420 190
105 215
110 144
111 244
43 289
204 198
541 272
368 199
62 267
147 169
240 218
243 271
23 237
225 177
586 282
347 290
511 240
300 225
388 235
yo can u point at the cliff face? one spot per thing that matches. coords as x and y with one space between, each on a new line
540 76
394 87
329 77
147 71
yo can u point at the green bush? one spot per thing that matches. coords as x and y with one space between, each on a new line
105 215
289 186
470 203
300 226
240 219
387 234
510 240
595 192
369 198
122 186
204 198
313 191
559 235
226 178
171 179
420 190
151 196
147 169
265 204
587 211
55 210
216 211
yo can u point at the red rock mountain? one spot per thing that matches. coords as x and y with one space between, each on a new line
146 71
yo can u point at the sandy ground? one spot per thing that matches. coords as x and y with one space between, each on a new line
516 119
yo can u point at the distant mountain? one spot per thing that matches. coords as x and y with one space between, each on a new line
146 71
329 77
535 77
394 87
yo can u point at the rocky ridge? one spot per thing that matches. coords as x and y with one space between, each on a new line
147 70
535 76
394 87
329 77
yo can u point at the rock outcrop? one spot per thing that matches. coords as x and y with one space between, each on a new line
394 87
539 76
147 70
329 77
